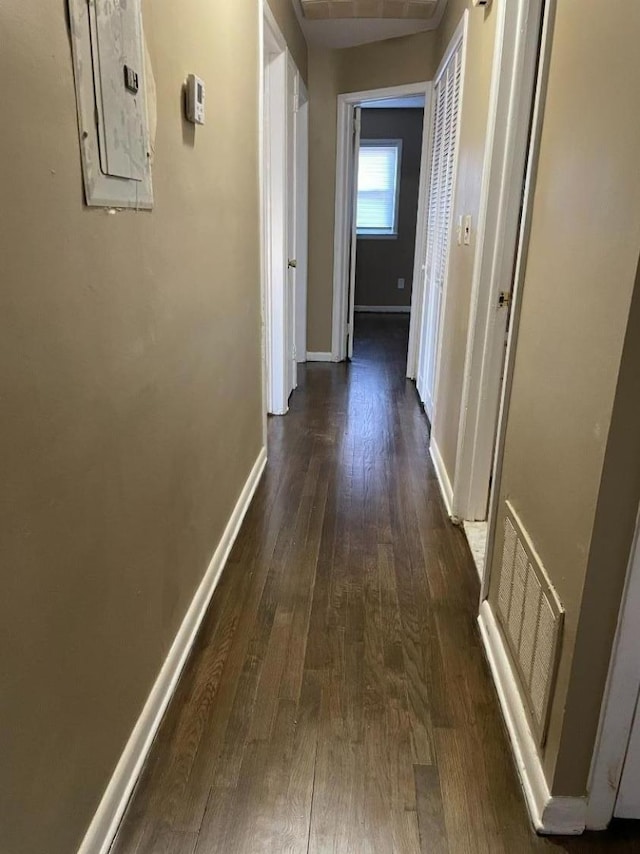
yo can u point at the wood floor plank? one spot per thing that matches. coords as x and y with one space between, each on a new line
337 698
431 822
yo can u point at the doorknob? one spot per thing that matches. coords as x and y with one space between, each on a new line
292 263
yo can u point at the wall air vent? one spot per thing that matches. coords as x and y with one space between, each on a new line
531 618
407 9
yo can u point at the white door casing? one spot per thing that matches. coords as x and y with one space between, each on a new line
278 216
513 87
302 218
292 218
420 249
353 247
347 104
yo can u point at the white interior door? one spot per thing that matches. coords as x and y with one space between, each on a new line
292 221
357 124
447 101
279 218
302 219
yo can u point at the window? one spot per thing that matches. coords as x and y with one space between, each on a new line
378 187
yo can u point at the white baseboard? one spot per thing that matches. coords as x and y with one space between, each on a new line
104 825
320 357
550 815
443 478
383 309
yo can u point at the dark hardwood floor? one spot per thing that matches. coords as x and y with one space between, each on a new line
337 699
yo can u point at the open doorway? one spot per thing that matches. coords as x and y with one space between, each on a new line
387 189
284 186
382 165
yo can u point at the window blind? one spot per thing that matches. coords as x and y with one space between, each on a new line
378 185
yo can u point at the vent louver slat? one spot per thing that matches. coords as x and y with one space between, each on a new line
531 618
400 9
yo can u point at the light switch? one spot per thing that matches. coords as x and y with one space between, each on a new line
400 284
467 230
459 230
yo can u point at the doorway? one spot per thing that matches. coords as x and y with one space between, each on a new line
385 216
392 202
284 189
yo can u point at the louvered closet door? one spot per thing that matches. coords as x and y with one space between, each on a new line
441 185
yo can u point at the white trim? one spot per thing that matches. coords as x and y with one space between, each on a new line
320 357
292 226
415 102
619 704
443 478
344 172
281 89
275 206
384 309
263 239
512 91
550 815
302 217
420 250
104 825
352 225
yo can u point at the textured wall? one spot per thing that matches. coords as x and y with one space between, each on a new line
130 377
571 464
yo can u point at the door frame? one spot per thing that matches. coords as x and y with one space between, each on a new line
275 114
301 217
619 703
353 229
513 87
345 172
546 9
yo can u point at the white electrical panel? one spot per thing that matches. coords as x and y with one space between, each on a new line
195 100
109 67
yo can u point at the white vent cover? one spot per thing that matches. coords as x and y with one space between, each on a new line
407 9
531 617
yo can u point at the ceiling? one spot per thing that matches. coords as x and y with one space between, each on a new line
346 23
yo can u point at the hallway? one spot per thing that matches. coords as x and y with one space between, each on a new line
337 699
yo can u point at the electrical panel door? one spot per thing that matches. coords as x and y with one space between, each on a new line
116 44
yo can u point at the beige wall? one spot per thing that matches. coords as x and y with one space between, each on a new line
130 376
381 262
323 90
290 29
473 128
410 59
571 464
394 62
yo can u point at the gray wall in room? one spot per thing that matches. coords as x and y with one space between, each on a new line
380 263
